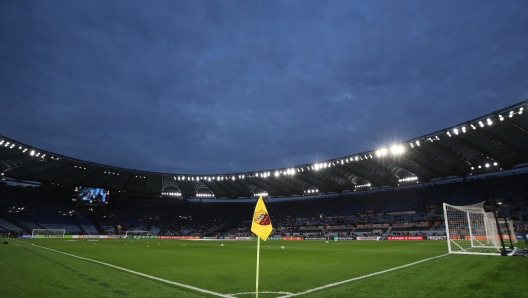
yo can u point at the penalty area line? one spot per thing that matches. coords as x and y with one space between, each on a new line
360 277
135 272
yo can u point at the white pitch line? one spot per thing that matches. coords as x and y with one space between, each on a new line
360 277
260 292
135 272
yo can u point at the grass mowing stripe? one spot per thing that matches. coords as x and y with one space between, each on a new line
134 272
361 277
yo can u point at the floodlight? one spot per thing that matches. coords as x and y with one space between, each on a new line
32 152
489 121
397 149
455 131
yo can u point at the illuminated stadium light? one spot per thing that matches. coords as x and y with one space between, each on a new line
501 118
463 129
6 144
32 152
408 179
521 109
381 152
489 122
261 194
1 142
412 145
449 134
481 124
309 191
455 131
417 143
277 173
362 185
397 149
511 114
356 158
487 165
473 126
172 194
11 147
233 178
204 195
495 163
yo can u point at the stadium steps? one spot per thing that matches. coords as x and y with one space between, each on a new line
97 224
79 226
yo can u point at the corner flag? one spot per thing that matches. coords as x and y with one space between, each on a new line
261 224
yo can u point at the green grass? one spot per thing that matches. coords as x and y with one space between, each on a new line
30 271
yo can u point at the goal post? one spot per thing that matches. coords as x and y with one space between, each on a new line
471 230
48 233
136 234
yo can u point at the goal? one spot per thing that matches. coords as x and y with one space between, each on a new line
48 233
136 234
471 230
507 230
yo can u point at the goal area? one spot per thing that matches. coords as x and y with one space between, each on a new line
48 233
471 230
136 233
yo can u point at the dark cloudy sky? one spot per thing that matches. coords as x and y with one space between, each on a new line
218 87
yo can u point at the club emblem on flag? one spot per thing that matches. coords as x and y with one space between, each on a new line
261 224
262 218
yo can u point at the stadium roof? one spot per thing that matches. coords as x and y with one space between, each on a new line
493 142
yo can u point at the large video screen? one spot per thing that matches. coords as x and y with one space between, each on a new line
90 196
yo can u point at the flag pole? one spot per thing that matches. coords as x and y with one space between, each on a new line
258 259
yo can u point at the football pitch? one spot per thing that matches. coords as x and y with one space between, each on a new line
224 268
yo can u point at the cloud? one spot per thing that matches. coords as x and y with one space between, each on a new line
210 87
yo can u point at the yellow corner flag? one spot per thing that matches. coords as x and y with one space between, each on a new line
261 224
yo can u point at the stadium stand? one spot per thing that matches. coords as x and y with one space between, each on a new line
393 211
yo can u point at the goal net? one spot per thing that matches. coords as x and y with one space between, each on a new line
136 233
48 233
507 230
471 230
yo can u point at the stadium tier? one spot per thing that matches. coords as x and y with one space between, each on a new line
403 211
